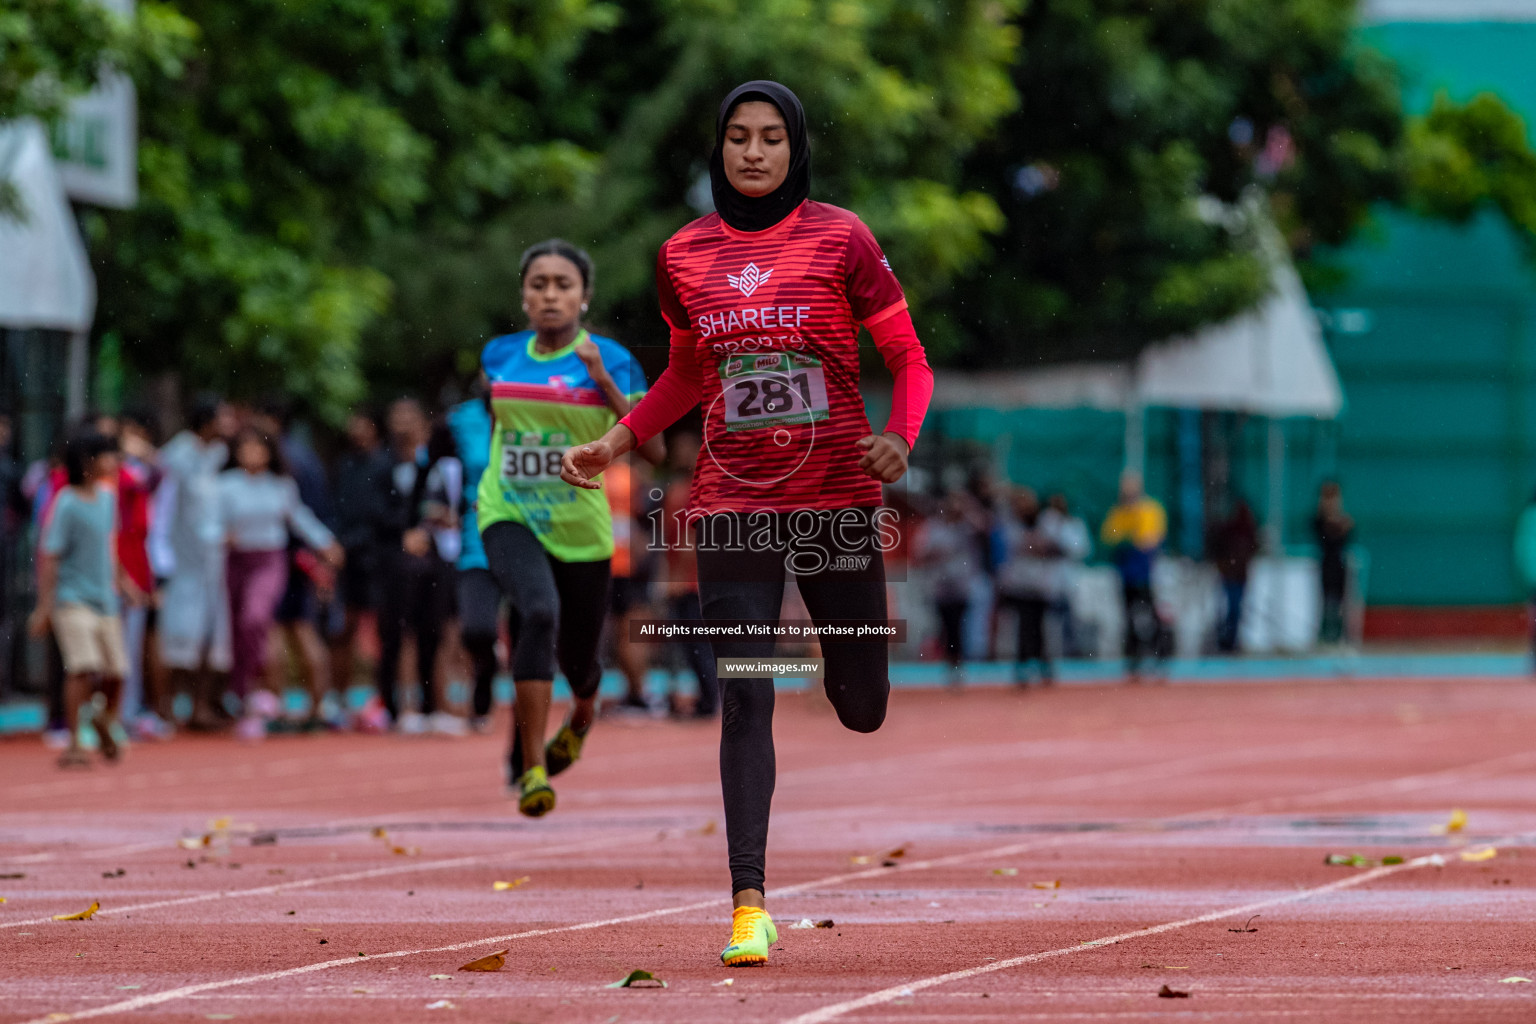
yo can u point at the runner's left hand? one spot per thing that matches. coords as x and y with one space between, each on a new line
885 457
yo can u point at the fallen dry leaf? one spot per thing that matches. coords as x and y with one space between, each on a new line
1171 993
636 979
441 977
1457 822
1009 872
441 1004
709 828
898 853
405 851
490 962
514 884
1247 925
1514 981
857 859
727 982
804 922
84 915
1486 853
826 922
1053 884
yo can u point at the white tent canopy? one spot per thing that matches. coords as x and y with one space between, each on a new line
1268 362
45 277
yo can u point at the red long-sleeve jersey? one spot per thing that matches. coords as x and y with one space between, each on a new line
765 340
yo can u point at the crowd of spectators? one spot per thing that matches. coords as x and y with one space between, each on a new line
189 585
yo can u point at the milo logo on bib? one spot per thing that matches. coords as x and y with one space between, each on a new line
773 389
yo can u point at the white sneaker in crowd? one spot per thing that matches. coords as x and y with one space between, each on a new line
412 723
446 723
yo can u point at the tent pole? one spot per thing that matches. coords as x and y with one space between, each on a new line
1135 438
1276 524
77 375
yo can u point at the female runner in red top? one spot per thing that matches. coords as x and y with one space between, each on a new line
764 298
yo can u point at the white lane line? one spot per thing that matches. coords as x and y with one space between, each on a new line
349 876
1410 783
170 995
901 991
98 854
157 998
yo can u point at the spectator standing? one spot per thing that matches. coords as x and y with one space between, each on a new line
364 518
682 568
627 585
414 594
12 515
306 600
258 505
77 592
1039 543
1334 530
1076 543
1134 532
137 478
1232 545
479 595
194 616
950 548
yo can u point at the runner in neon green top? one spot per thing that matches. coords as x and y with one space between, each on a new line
548 544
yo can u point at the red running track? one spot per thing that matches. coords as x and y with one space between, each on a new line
1170 816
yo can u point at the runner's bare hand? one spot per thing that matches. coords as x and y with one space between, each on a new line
885 457
581 463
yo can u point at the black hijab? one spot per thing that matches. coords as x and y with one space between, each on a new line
759 213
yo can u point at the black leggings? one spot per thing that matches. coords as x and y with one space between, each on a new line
737 583
558 607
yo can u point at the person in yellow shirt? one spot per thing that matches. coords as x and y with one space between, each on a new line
1134 532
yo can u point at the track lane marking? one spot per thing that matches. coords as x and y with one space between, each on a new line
349 876
170 995
886 995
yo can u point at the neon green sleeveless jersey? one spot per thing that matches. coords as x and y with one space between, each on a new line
542 404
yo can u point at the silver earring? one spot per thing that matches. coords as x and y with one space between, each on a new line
583 307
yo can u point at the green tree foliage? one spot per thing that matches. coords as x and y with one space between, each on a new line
299 140
336 191
50 50
1134 117
1464 157
897 93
